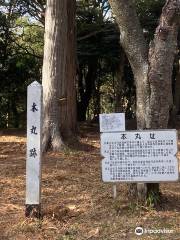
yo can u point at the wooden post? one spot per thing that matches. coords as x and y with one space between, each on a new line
34 150
114 191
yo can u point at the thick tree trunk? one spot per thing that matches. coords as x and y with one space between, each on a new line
59 98
68 114
134 45
161 57
177 93
152 72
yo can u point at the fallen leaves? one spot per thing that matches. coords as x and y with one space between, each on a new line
76 204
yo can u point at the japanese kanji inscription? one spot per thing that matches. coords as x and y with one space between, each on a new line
34 132
139 156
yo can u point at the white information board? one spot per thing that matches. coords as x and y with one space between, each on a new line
139 156
112 122
34 139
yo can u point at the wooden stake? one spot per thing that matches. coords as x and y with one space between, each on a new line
114 191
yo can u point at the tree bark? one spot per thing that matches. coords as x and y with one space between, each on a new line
97 100
119 83
161 57
152 68
59 71
135 47
86 86
177 93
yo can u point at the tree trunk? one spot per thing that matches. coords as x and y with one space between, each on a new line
59 71
177 92
15 113
134 45
119 83
86 86
152 68
97 100
161 57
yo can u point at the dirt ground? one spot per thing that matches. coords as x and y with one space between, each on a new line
76 204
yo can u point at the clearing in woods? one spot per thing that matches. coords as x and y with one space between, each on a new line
76 204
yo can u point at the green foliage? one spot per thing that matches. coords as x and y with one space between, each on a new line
21 51
98 41
21 44
153 199
149 12
96 34
30 36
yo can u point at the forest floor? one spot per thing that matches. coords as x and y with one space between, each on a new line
76 204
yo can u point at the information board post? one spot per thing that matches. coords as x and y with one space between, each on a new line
34 150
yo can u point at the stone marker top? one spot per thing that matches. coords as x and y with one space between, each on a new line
35 84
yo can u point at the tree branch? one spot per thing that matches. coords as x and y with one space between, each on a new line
132 38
